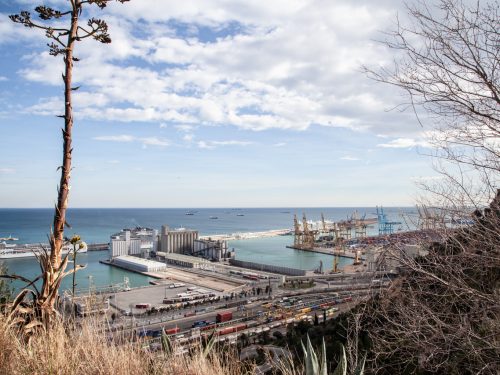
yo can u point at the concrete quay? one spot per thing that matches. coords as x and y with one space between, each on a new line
321 250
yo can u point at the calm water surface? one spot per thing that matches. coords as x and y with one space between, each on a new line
96 225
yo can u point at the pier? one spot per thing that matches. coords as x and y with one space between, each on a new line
322 250
101 246
98 246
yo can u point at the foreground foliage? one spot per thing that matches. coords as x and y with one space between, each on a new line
443 316
64 28
87 350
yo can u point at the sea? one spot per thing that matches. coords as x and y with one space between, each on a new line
95 225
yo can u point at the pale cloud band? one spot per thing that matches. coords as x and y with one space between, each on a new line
146 141
214 144
404 143
280 64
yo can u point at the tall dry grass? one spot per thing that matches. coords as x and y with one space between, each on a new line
86 350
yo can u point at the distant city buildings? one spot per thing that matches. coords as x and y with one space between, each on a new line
178 241
215 250
137 241
148 243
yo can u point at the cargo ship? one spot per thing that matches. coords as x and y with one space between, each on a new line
29 251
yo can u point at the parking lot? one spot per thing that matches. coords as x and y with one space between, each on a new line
152 295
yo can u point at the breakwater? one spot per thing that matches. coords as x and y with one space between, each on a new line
267 268
248 235
102 246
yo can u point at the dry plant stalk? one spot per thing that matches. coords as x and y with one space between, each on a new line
63 42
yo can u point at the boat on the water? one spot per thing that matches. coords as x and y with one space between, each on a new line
29 251
240 215
10 238
190 213
213 217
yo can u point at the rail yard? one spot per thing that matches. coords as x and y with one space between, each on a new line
203 291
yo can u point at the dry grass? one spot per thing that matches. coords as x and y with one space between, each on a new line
86 351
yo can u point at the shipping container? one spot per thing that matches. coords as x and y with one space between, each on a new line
224 316
172 331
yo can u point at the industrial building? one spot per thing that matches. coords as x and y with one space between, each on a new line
389 258
179 241
91 304
215 250
137 241
184 260
138 264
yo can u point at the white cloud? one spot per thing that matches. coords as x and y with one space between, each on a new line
116 138
7 170
423 179
350 158
146 141
153 141
214 144
404 143
281 66
2 78
279 144
184 128
113 162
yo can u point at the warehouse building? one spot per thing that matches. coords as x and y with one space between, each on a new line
215 250
138 264
184 260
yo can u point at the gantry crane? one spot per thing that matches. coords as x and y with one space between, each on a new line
298 235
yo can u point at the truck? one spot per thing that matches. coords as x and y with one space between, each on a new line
172 331
200 323
224 316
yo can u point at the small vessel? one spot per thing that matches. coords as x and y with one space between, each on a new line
213 217
240 215
190 213
5 245
28 251
10 238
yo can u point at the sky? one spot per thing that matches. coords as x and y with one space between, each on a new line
213 103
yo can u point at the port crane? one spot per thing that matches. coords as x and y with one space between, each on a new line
430 219
384 225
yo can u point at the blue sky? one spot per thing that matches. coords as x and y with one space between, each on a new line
209 104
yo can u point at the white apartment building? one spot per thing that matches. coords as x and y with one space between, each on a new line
137 241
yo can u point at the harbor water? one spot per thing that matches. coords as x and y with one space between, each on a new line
96 225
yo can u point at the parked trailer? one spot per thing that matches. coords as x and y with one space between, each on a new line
232 329
172 331
224 316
